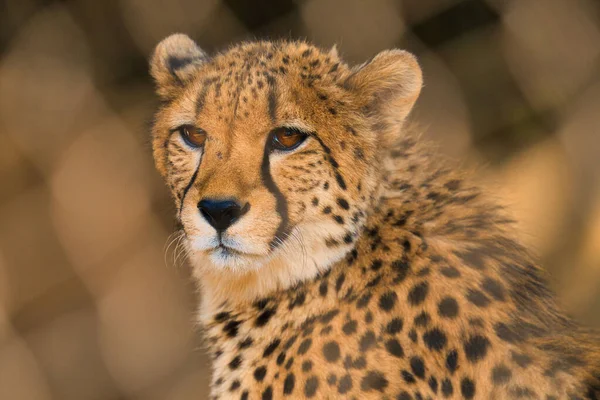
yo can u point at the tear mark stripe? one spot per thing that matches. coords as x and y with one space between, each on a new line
281 204
190 183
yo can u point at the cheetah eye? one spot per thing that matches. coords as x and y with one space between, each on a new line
193 137
287 139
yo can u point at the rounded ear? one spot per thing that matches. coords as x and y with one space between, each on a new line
388 87
174 63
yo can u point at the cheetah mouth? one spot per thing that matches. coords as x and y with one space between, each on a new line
224 251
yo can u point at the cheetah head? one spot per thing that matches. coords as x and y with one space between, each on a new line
273 151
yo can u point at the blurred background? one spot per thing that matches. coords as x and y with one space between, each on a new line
92 303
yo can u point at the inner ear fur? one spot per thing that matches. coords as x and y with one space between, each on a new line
388 87
174 63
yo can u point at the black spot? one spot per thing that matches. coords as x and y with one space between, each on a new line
323 288
522 360
472 258
404 396
467 388
418 367
418 293
245 343
506 333
331 351
450 272
435 339
476 348
433 384
394 348
367 341
267 394
368 317
271 348
376 265
501 374
374 380
298 300
307 366
394 326
349 327
494 289
407 376
264 317
359 363
452 361
244 395
340 180
289 363
345 384
339 219
448 307
311 386
315 201
331 379
222 316
348 238
281 358
235 385
328 316
447 388
261 304
235 363
231 328
412 335
422 319
290 342
339 282
523 392
343 203
388 300
363 301
259 373
478 298
304 346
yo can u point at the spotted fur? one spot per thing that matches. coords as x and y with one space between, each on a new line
365 267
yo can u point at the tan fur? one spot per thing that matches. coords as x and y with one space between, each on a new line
393 278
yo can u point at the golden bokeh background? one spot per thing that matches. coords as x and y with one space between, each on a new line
93 305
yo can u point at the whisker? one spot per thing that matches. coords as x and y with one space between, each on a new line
173 237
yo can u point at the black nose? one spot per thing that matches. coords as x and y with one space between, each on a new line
221 214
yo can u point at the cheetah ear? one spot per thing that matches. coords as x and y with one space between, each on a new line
388 87
174 63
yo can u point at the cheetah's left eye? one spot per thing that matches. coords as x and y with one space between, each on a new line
193 136
287 139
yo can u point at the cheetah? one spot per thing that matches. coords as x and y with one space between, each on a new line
336 255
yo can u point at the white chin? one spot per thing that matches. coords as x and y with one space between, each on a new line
223 258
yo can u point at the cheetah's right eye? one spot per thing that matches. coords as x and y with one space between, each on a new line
193 137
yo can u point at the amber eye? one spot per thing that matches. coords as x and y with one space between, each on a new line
194 137
287 139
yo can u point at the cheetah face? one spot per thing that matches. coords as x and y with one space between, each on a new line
274 149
